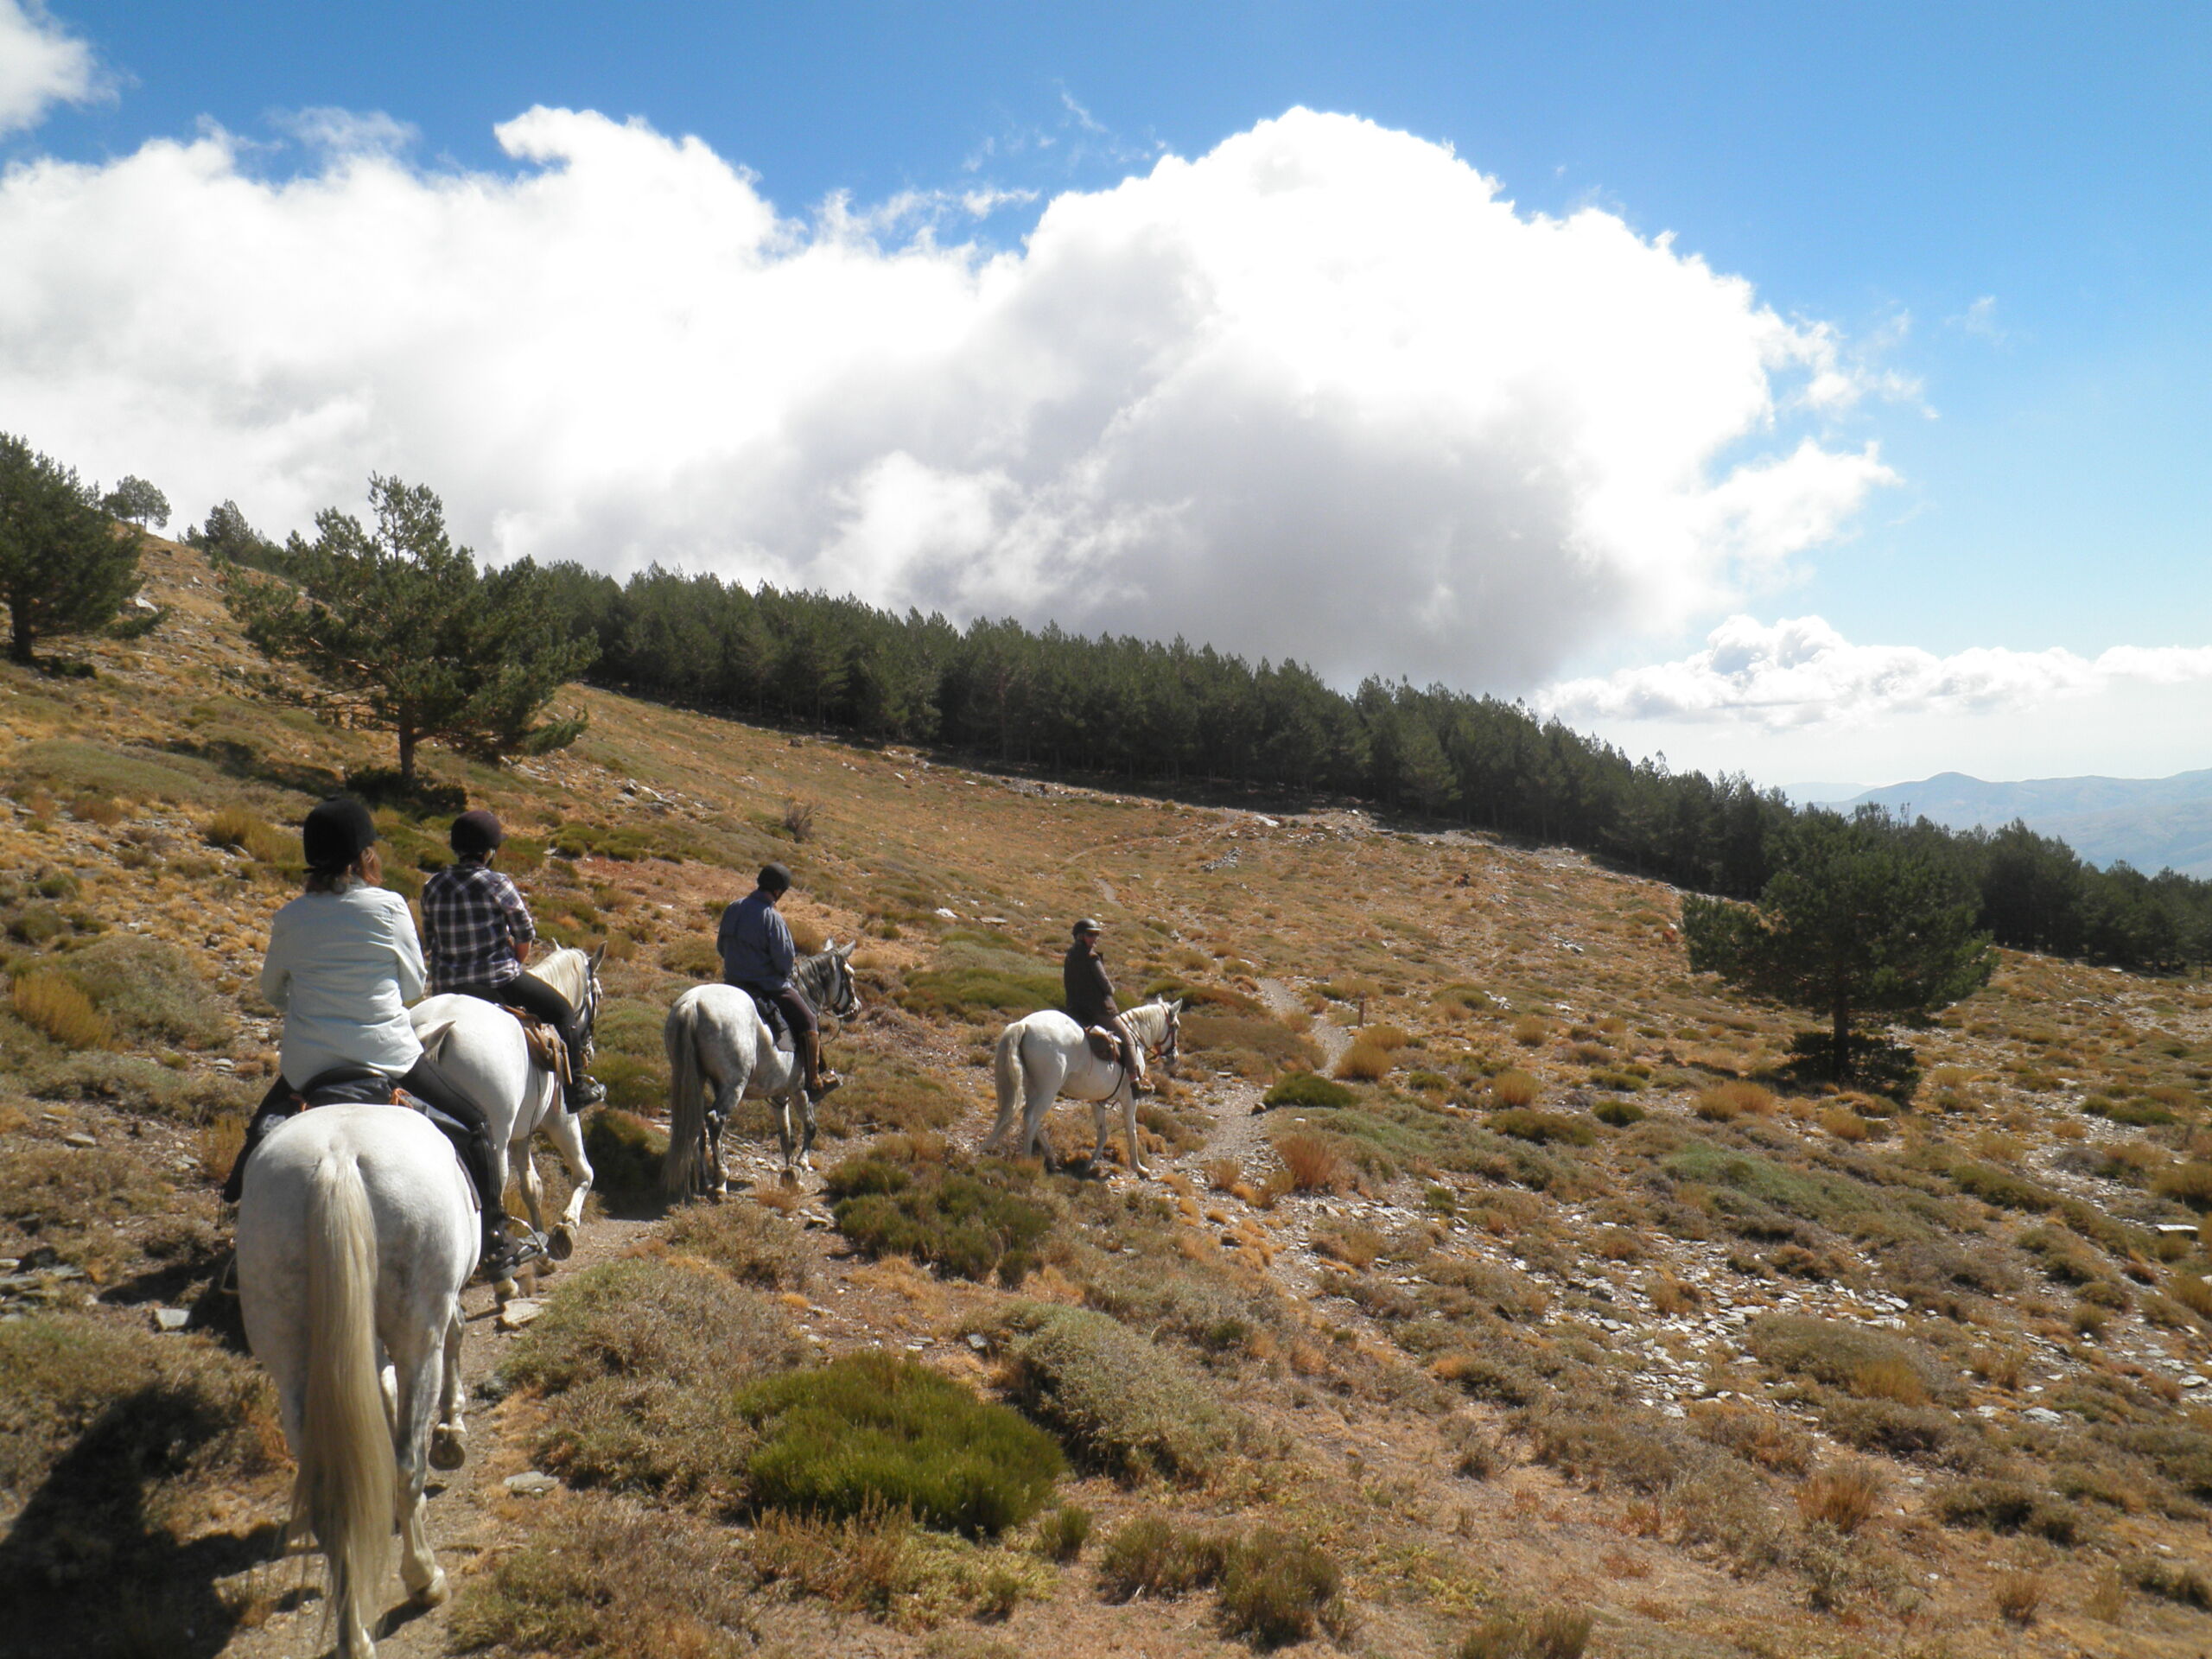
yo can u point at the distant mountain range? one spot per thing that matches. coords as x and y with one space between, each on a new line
2152 823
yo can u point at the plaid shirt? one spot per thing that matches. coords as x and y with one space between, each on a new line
475 926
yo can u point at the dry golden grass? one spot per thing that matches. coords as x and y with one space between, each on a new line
1842 1496
1365 1061
1726 1102
2019 1595
1531 1030
1845 1126
1314 1164
1894 1380
1514 1088
52 1005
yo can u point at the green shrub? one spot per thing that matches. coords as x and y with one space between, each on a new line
968 1225
1857 1357
2189 1184
2137 1113
1543 1127
752 1244
37 925
1251 1045
1276 1589
140 1085
1310 1089
875 1430
2006 1506
626 1153
976 993
1120 1403
642 1353
635 1083
1150 1555
628 1025
1618 1112
1062 1533
2171 1581
887 1091
696 958
151 992
2000 1187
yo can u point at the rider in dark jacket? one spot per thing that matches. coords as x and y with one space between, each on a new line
757 953
1090 994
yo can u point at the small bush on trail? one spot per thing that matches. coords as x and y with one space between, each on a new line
873 1429
968 1224
1120 1403
1277 1589
754 1244
1309 1089
642 1353
1620 1114
599 1576
1252 1045
1365 1061
1532 1030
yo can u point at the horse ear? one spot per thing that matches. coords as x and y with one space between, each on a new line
844 952
598 956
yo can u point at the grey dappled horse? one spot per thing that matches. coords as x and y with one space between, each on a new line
1046 1054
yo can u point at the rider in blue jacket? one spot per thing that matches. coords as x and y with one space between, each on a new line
757 955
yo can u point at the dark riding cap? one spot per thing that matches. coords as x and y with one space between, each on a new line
1088 924
476 832
336 833
774 878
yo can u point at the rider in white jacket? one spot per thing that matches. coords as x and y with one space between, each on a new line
343 965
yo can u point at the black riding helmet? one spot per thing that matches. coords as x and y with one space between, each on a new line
476 832
774 878
336 833
1088 924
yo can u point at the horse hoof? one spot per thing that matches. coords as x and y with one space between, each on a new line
790 1182
434 1592
561 1243
449 1448
505 1291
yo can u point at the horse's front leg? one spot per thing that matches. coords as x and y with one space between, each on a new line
1128 1126
533 1190
567 1129
808 1124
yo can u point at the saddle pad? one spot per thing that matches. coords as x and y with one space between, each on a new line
547 1051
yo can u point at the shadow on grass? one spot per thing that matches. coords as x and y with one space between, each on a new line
87 1569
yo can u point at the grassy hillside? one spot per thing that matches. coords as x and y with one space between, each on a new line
1567 1323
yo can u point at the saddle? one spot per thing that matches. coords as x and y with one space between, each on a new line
1116 1047
773 1016
547 1051
363 1085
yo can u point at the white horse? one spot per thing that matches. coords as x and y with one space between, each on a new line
1046 1054
715 1039
356 1232
480 1047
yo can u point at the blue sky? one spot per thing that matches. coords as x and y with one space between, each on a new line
1995 213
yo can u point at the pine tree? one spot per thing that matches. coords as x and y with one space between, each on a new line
1857 919
66 567
397 620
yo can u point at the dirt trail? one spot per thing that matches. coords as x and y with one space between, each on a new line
471 1511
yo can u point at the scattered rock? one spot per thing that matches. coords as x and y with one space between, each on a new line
531 1482
79 1138
519 1313
171 1318
2042 1415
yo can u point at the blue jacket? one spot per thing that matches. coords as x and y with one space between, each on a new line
756 947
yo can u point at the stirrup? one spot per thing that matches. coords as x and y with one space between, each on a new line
509 1255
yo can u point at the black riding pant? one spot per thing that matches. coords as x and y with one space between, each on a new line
425 1082
797 1011
534 996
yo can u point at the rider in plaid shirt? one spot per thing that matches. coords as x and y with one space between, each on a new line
476 930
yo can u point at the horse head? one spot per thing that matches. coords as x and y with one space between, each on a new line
830 972
1169 1046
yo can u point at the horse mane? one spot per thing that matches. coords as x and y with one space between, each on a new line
565 969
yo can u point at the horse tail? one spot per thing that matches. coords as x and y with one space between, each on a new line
346 1480
1011 1077
687 1109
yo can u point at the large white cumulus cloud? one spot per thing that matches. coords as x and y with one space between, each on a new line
1321 392
1802 672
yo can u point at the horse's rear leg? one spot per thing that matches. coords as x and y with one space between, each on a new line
533 1190
449 1441
421 1376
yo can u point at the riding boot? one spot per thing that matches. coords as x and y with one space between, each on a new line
501 1254
256 1127
819 1079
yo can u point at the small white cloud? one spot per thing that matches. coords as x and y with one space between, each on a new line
343 133
41 64
1801 673
1980 320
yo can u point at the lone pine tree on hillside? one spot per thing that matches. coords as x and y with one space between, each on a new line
138 502
66 567
398 620
1856 920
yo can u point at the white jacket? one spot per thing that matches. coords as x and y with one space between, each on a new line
341 968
